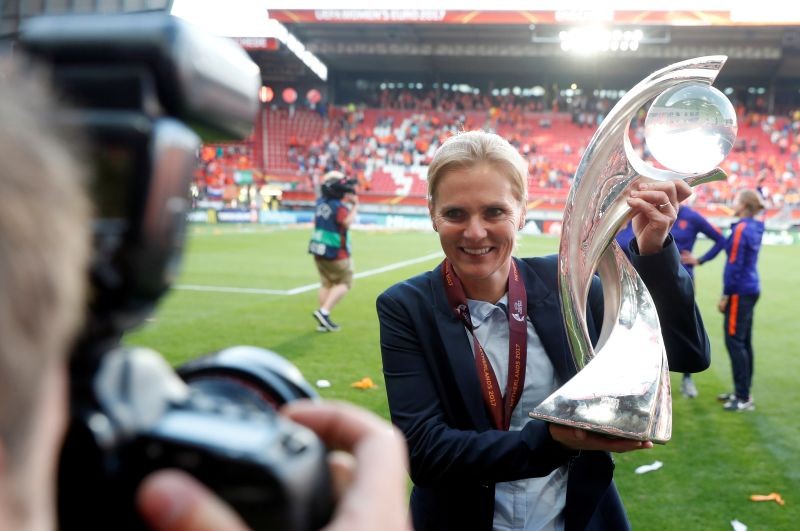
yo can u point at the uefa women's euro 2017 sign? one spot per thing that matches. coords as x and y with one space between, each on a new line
622 388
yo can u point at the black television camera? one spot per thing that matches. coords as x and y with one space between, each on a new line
336 185
136 84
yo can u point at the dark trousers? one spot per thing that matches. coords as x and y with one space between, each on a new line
739 341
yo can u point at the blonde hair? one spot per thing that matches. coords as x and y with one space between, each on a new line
471 148
751 201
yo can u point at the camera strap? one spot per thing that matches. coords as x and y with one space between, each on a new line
499 408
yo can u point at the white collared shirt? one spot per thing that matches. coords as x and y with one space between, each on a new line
533 504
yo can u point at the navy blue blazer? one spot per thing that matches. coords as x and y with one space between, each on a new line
456 457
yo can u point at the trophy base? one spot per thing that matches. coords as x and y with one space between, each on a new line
641 416
609 431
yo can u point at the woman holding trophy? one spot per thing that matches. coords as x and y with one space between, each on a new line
471 347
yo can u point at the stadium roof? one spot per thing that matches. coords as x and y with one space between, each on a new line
522 46
477 43
504 46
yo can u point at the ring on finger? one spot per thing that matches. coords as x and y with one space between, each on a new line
664 205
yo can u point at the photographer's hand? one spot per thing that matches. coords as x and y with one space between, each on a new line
371 488
172 500
369 480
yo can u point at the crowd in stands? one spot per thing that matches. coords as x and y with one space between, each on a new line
222 166
388 146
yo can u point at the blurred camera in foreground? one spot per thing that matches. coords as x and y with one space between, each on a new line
143 87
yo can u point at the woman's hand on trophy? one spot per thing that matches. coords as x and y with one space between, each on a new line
654 207
577 439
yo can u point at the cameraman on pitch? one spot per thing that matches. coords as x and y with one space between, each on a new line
44 256
330 244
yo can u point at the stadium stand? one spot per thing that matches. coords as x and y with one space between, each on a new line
387 148
394 93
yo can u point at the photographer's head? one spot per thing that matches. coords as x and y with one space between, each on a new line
335 185
44 249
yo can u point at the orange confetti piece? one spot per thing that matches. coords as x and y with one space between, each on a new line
364 383
772 496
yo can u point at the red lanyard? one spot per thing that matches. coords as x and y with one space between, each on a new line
499 409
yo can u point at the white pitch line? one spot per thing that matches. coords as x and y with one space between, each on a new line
224 289
307 287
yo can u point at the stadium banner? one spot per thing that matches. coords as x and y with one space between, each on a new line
377 220
732 17
400 222
545 225
201 216
210 203
258 43
286 217
230 215
781 237
770 237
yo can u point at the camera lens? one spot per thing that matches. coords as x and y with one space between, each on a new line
250 376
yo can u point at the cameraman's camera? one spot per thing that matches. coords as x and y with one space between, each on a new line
137 84
336 185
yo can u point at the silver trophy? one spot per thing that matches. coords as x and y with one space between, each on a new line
622 388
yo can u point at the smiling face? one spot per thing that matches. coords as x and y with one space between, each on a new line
477 217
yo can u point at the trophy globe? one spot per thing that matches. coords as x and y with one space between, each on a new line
690 128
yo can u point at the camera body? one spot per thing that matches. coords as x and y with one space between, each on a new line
215 419
142 86
336 186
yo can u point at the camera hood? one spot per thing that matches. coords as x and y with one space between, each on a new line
208 82
142 86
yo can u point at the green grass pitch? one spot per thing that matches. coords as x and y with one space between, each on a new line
713 463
